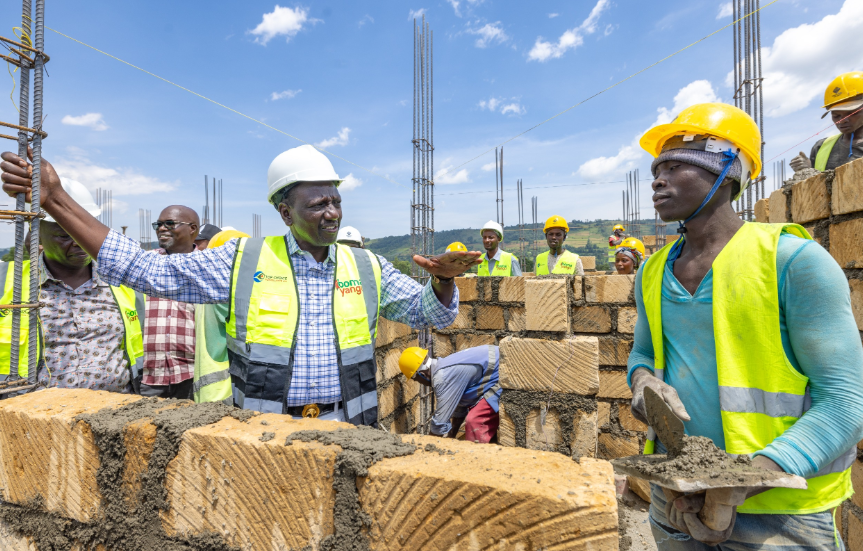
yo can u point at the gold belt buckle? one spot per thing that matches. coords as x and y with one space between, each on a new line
311 411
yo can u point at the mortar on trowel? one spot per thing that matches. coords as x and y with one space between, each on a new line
694 464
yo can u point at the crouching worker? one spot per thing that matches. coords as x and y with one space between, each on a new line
466 390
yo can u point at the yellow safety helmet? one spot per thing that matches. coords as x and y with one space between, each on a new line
618 227
634 245
457 246
224 236
719 120
844 87
411 360
556 222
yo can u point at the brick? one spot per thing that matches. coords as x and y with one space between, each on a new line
511 289
583 442
626 318
442 345
588 262
837 515
809 199
848 188
489 497
608 288
612 384
614 351
489 317
627 421
578 288
845 239
464 318
777 207
591 319
857 482
395 395
531 364
544 437
547 304
389 368
857 304
506 428
517 319
613 446
639 487
603 412
762 210
487 288
401 423
467 290
139 437
463 342
855 532
388 331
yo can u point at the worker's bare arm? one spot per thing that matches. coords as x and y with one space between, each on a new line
17 174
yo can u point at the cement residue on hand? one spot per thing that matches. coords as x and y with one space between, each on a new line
699 457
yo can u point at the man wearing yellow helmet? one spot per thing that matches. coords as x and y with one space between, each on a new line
629 256
843 100
557 260
740 328
466 389
614 240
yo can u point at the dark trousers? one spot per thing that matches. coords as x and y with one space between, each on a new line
180 391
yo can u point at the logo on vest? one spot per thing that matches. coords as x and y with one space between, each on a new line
566 265
132 315
350 286
260 276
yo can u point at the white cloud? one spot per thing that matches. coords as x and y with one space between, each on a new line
725 10
491 104
490 33
513 108
286 94
454 4
340 139
803 60
609 29
444 176
366 19
416 14
122 180
499 105
350 182
281 21
488 167
553 15
91 120
569 40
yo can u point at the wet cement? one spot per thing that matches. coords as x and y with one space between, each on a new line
362 447
519 403
700 458
115 526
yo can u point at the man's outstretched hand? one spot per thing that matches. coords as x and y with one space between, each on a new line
17 177
449 264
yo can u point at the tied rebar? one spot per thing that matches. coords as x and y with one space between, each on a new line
631 200
256 225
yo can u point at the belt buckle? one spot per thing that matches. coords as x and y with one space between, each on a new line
311 411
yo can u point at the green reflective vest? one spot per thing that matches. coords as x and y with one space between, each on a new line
130 303
567 263
761 394
502 267
262 326
824 152
212 383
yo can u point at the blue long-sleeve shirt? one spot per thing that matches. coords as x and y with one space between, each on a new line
820 339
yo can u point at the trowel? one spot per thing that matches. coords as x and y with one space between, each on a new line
669 429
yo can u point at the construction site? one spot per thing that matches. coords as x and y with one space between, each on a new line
217 390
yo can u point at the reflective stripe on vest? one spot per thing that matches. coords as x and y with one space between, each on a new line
212 382
824 151
502 267
761 394
567 263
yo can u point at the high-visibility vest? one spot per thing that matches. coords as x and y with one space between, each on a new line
262 326
567 263
761 395
502 267
212 382
130 303
824 152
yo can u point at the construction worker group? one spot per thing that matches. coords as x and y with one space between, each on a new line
744 329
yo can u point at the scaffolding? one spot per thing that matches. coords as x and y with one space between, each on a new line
631 200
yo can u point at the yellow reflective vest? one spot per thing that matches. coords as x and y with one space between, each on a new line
502 267
824 151
212 383
761 394
567 263
262 326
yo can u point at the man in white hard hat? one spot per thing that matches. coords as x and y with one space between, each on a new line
304 310
350 236
496 262
91 331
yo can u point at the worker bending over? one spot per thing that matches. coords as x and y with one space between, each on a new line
746 330
90 332
303 310
465 386
843 100
557 260
614 241
496 262
629 256
350 237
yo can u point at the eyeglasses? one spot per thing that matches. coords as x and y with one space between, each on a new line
169 224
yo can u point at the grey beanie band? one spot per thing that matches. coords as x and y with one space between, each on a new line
708 160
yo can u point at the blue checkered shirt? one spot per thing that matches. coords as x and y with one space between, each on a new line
205 277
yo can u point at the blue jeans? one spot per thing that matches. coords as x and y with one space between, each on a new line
815 532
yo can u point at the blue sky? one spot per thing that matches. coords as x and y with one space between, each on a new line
341 73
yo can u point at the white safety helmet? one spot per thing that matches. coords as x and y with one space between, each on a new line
492 225
349 233
300 164
80 195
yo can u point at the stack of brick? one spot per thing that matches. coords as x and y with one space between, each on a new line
830 207
398 397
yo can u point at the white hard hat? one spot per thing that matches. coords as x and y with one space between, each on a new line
300 164
80 195
349 233
492 225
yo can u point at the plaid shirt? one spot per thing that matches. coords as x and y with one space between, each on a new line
205 277
169 342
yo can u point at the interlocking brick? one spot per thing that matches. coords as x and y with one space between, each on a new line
612 384
777 207
627 421
489 317
614 351
857 306
467 291
578 288
547 304
639 487
855 532
389 368
626 318
506 428
845 240
591 319
848 188
463 342
762 210
857 482
543 436
511 289
517 319
583 442
395 395
487 288
608 288
442 345
388 331
464 318
613 446
588 262
809 199
603 410
531 364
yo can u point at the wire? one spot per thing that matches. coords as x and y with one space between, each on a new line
231 109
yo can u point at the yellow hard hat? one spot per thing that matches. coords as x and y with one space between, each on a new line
411 360
618 227
843 87
719 120
555 222
634 245
224 236
456 246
